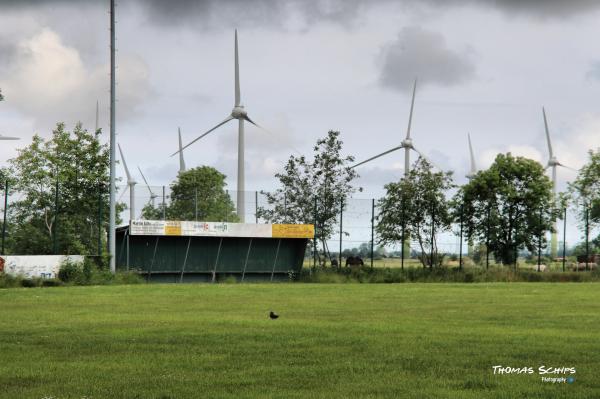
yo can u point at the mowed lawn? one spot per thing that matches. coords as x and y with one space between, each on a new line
331 341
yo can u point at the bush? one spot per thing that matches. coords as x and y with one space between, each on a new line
71 272
439 275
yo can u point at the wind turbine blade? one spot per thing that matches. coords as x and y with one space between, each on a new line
96 117
237 73
124 164
181 160
198 138
246 117
473 166
547 133
145 181
412 105
568 167
275 136
427 159
8 138
123 193
377 156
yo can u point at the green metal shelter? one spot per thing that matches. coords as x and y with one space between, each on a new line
172 251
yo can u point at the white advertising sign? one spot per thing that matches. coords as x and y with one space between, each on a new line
199 229
219 229
45 266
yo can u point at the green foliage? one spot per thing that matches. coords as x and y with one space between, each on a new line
74 163
313 192
510 203
88 273
200 190
1 96
416 205
70 272
378 275
585 191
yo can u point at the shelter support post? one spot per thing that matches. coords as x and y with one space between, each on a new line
246 262
185 259
275 261
214 274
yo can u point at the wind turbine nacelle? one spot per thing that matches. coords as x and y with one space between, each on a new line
239 112
407 143
553 162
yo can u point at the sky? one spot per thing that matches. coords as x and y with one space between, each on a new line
484 67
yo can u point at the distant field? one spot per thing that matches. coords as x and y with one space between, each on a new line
397 262
331 341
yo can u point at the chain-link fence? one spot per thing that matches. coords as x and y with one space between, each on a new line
354 235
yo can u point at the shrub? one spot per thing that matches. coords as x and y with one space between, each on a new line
71 272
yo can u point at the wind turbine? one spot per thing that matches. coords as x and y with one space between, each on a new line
131 185
407 143
241 115
552 163
473 170
153 196
181 161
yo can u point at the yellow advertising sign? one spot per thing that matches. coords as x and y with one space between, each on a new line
172 228
293 231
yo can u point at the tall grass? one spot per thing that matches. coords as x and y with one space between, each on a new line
439 275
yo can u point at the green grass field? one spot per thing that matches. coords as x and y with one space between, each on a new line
331 341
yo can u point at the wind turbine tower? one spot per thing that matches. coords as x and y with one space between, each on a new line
471 175
241 115
552 163
131 185
181 161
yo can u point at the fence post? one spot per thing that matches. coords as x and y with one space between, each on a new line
315 237
372 228
99 219
403 238
285 207
54 228
196 205
587 236
564 239
539 263
432 235
461 239
5 208
487 238
341 232
164 204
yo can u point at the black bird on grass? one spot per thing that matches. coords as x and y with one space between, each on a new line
273 315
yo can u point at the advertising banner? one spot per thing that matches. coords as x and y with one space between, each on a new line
219 229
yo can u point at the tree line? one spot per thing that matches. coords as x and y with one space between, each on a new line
61 206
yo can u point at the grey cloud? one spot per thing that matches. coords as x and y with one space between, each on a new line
423 54
214 14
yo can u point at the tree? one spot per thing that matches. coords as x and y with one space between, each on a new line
585 191
1 96
313 192
197 194
509 205
416 206
44 220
